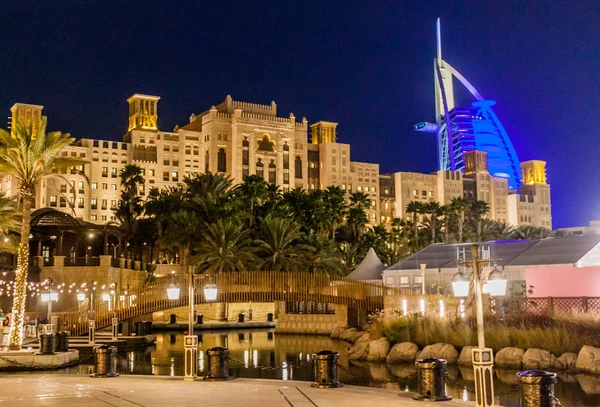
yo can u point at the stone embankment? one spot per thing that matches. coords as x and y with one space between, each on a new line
380 350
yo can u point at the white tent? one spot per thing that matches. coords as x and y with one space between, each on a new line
371 268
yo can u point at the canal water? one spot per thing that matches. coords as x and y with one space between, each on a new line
262 354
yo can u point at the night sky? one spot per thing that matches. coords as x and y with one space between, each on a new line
366 65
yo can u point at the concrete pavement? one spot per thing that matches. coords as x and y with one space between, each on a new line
50 390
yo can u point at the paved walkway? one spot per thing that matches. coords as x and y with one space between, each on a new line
148 391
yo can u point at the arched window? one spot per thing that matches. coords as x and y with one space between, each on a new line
206 161
221 161
286 156
245 152
298 165
272 172
286 147
245 142
260 168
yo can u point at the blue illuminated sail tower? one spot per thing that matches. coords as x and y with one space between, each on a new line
465 128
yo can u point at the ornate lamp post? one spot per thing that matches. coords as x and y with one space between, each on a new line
190 340
483 358
49 296
92 323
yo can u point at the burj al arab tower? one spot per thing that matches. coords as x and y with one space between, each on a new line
465 128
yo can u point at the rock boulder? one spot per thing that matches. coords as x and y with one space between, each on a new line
359 351
588 360
466 356
404 352
378 350
348 334
440 350
566 361
510 357
536 358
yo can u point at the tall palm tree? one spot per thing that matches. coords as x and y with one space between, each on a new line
132 176
415 208
279 247
447 213
479 209
460 206
9 223
434 210
30 155
181 234
336 207
254 190
504 231
357 215
225 247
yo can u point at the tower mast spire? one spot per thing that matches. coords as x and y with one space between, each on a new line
439 42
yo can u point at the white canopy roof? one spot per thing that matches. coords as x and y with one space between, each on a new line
371 268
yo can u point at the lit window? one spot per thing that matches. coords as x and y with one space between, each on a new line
52 200
414 192
113 187
359 188
151 172
93 217
366 189
94 185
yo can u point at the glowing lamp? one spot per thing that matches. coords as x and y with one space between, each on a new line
173 291
497 283
460 285
80 297
210 292
106 297
51 296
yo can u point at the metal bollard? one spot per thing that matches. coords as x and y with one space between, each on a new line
218 364
47 343
270 317
537 388
147 327
200 319
326 372
62 341
139 329
172 319
431 376
105 361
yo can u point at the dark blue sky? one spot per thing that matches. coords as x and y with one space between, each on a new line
366 65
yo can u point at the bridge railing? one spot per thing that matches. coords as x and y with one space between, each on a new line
246 286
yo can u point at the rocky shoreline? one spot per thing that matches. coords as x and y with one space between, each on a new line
380 350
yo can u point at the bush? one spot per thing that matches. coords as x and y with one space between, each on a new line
557 334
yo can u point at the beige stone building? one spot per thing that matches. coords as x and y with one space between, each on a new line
241 138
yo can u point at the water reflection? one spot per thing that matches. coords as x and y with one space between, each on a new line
261 354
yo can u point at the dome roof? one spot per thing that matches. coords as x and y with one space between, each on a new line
48 217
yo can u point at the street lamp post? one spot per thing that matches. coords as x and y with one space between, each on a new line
483 358
190 340
49 296
92 313
115 320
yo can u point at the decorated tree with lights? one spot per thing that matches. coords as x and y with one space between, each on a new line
29 154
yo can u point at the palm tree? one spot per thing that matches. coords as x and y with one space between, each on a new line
415 208
30 155
279 248
225 247
527 232
447 213
181 234
9 223
253 191
479 209
131 177
350 254
336 207
434 209
357 216
460 207
504 231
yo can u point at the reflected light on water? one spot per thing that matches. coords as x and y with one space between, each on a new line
172 366
246 358
201 359
284 371
465 394
255 357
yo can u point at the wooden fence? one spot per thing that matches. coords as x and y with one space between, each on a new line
545 305
248 286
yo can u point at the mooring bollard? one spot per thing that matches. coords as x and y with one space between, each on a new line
537 388
431 376
47 343
218 364
326 369
172 319
62 341
105 360
147 327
